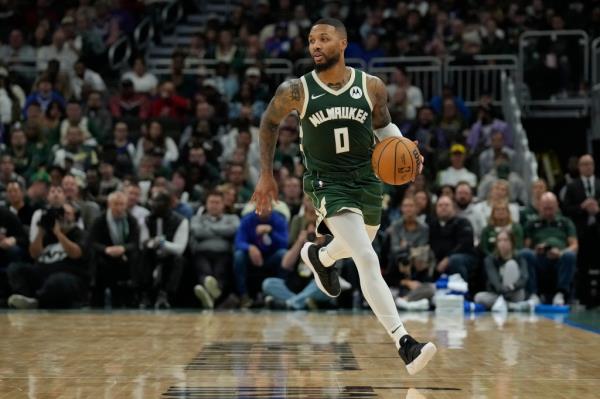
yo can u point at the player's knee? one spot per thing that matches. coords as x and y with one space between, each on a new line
365 256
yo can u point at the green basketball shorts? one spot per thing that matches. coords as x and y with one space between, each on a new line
333 193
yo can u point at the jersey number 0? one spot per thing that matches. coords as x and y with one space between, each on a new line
342 142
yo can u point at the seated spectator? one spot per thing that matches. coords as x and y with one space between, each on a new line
506 276
451 239
451 122
13 246
38 189
480 135
85 80
235 176
502 171
500 192
113 242
211 243
423 204
75 151
298 290
98 116
226 81
185 84
75 117
246 98
400 80
433 143
108 183
120 152
129 104
487 158
168 104
437 103
292 194
43 96
57 50
51 122
456 172
260 244
162 254
60 277
60 79
411 264
400 109
531 210
7 175
466 208
143 81
88 210
16 52
156 142
19 204
500 221
551 252
9 103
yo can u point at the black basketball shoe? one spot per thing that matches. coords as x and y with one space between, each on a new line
415 354
327 278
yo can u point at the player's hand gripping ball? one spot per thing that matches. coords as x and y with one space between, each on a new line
396 160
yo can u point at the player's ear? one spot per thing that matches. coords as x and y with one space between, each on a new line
344 43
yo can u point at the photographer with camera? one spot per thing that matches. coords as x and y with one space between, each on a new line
551 252
411 261
298 290
59 276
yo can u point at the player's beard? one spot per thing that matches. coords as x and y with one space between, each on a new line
329 62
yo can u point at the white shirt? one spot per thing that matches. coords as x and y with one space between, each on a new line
65 56
142 84
140 213
451 176
91 78
5 107
588 184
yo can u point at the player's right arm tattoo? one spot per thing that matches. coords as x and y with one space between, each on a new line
289 96
378 94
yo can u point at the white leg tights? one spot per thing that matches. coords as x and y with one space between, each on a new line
353 238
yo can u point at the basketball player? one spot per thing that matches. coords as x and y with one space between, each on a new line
340 110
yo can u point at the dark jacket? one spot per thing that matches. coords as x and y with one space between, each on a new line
99 236
456 236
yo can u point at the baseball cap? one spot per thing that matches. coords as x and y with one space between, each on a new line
458 148
41 176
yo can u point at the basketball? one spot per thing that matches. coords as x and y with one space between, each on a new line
396 160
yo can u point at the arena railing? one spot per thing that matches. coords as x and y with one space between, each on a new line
143 34
595 55
472 81
280 68
559 104
119 53
304 65
425 72
525 162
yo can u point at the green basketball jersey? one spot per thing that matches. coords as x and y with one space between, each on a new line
335 125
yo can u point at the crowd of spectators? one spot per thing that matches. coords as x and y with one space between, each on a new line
135 191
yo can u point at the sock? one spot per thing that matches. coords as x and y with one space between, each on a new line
324 257
398 333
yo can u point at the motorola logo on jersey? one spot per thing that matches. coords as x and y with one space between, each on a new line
355 92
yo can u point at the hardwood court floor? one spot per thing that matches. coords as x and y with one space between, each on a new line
288 355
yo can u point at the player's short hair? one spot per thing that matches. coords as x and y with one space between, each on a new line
336 23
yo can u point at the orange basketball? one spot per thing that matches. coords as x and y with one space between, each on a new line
396 160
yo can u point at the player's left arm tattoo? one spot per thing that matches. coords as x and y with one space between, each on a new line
379 98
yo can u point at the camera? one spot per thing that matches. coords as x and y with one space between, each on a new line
49 217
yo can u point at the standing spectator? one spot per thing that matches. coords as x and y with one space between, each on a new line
451 239
500 221
506 276
488 156
456 172
211 242
581 205
162 254
58 50
551 252
260 244
480 135
143 81
59 277
113 242
84 80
